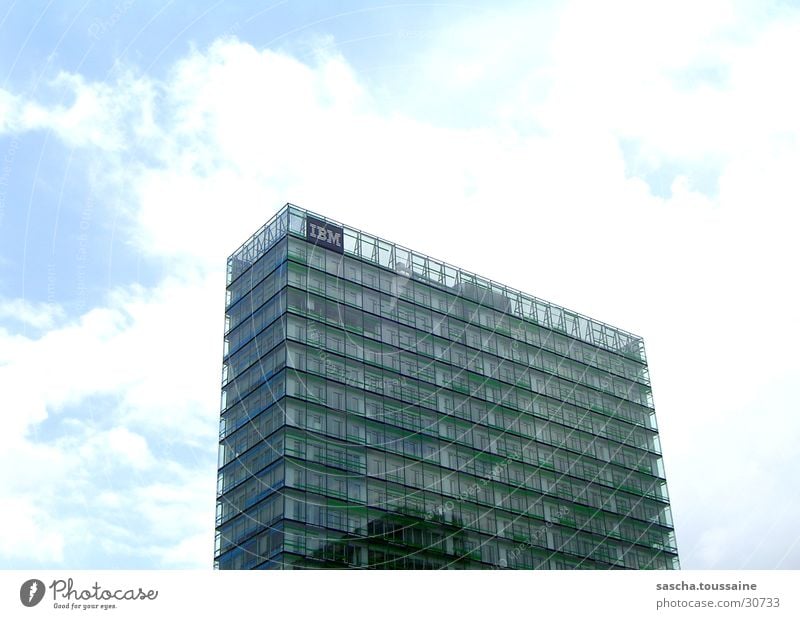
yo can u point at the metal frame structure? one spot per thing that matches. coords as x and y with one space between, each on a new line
357 243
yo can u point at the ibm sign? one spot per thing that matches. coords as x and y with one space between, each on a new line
324 234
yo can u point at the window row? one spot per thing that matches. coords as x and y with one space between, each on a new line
260 485
547 393
455 331
477 449
256 322
254 299
258 373
634 403
478 452
251 433
329 381
417 348
323 339
256 348
252 552
263 266
454 298
250 463
263 515
238 409
463 473
463 534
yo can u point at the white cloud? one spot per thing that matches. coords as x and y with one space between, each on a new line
103 115
36 535
190 552
122 447
36 315
125 391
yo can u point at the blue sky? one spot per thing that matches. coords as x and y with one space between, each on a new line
634 161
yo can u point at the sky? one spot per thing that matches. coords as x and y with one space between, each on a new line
634 161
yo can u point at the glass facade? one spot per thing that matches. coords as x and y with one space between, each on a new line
382 409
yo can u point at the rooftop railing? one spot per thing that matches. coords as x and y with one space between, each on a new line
291 219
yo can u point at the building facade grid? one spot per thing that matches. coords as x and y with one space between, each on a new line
377 414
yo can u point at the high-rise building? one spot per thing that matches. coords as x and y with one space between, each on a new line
383 409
